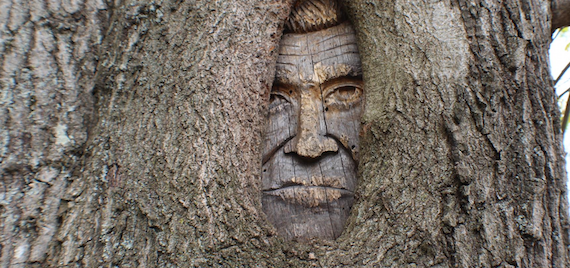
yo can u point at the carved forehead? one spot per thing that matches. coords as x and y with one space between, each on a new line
316 56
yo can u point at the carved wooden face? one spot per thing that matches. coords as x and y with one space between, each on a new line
311 145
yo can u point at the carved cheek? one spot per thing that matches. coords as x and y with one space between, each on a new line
345 125
282 126
342 102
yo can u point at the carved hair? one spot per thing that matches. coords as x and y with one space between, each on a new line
313 15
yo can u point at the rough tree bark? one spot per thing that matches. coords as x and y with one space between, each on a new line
131 136
560 13
48 59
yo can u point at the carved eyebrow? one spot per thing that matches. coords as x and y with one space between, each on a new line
335 73
283 79
351 80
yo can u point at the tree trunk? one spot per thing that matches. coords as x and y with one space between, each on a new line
48 54
132 136
560 13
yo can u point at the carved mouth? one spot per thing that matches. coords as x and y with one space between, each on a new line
310 196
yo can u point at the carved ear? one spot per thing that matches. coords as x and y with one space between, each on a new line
313 15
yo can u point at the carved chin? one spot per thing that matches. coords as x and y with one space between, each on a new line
305 212
309 196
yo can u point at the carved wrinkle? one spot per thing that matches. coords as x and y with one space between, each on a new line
311 145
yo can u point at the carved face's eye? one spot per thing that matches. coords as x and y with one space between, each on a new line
276 100
279 96
343 93
346 93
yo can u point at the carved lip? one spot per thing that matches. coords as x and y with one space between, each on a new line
297 186
309 196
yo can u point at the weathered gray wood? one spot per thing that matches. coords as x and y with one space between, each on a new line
311 145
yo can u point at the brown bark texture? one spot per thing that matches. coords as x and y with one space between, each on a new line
48 58
132 136
560 13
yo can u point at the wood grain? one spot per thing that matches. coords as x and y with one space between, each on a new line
311 144
313 15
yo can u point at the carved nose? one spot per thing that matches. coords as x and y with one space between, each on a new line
310 141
